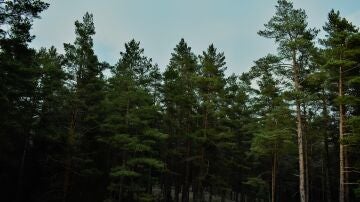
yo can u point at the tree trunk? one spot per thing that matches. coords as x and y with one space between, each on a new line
306 157
341 138
70 140
185 189
346 175
202 173
273 176
166 186
296 75
326 151
177 191
121 188
19 189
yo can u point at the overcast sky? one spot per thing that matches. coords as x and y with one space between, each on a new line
159 25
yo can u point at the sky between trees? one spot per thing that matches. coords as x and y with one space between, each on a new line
231 25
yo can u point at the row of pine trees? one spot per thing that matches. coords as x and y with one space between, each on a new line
73 128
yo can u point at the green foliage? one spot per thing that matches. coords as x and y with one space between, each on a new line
129 125
122 172
145 135
19 76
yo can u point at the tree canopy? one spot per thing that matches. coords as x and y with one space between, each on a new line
74 128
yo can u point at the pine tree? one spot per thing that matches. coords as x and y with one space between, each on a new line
340 57
87 93
131 127
319 87
19 74
52 124
211 84
180 103
290 30
274 125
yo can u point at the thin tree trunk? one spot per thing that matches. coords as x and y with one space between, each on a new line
200 188
185 189
308 172
299 131
273 176
19 189
323 187
177 191
326 149
68 161
121 188
347 172
306 156
341 138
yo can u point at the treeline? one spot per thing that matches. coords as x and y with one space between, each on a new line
287 130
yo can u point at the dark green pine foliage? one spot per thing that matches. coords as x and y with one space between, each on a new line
353 89
51 128
180 118
52 89
321 127
83 155
342 67
235 139
210 135
19 74
273 141
131 126
189 134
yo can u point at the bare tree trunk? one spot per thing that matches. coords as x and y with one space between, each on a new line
166 186
273 176
347 172
296 75
185 189
341 138
202 171
121 188
19 189
177 191
306 156
70 140
326 150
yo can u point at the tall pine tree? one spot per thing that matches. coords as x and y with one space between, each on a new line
290 31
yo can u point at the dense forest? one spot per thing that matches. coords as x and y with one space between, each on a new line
73 128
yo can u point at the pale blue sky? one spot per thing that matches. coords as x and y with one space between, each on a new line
231 25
